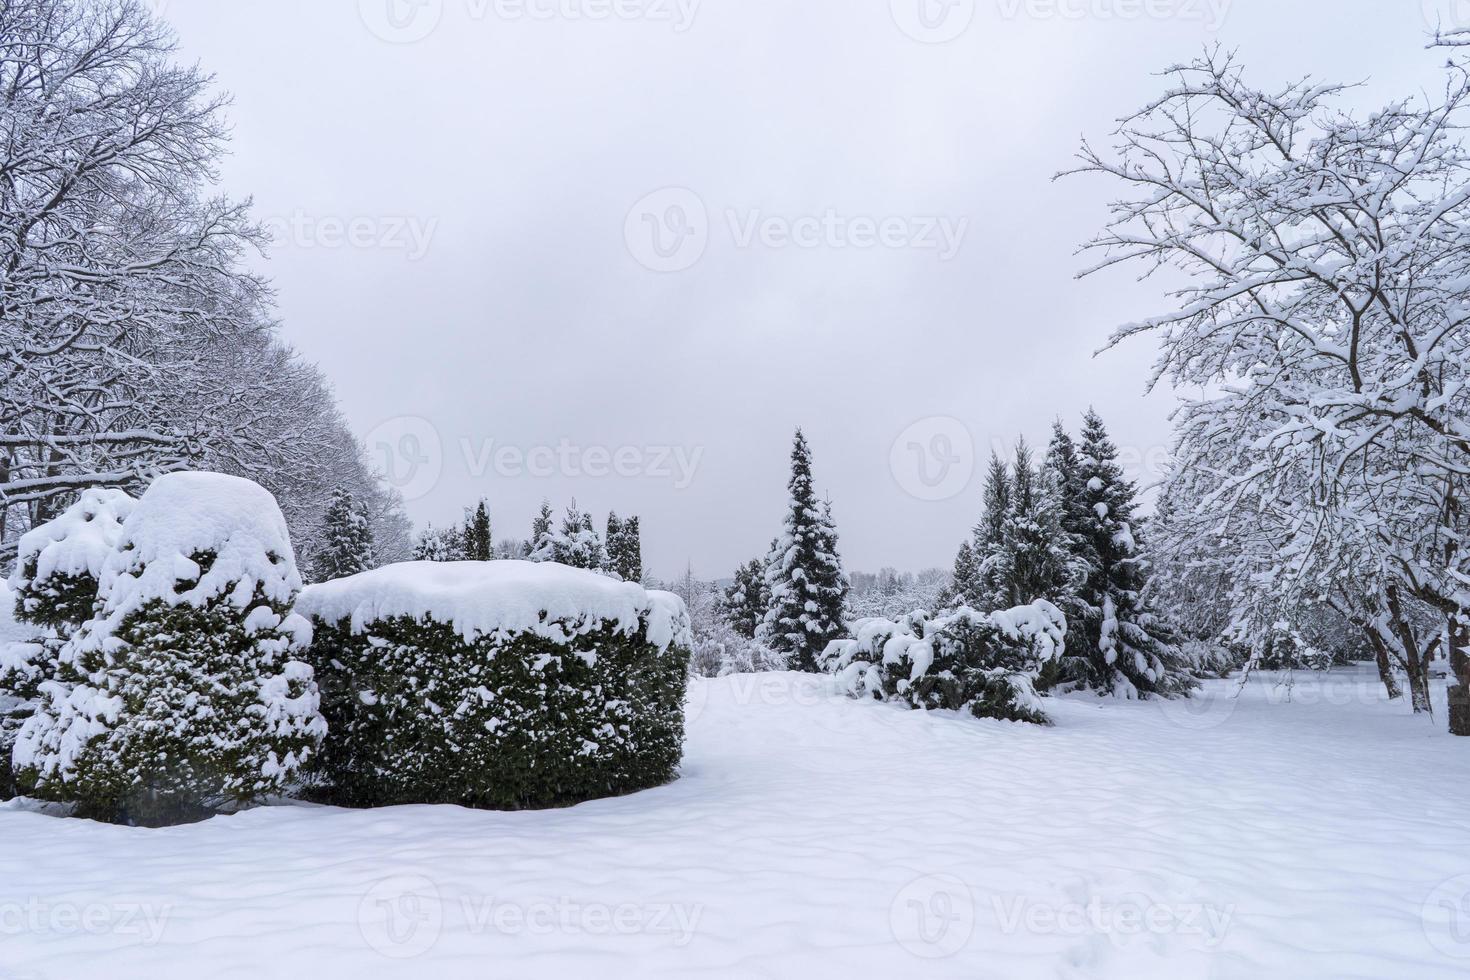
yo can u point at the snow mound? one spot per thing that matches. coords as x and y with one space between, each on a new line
185 514
479 599
76 543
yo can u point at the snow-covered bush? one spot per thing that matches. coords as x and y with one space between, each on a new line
51 594
58 563
182 694
19 675
500 685
964 661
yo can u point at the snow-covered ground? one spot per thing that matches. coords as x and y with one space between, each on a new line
812 836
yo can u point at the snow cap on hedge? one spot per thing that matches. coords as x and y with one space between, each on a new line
184 514
76 543
500 598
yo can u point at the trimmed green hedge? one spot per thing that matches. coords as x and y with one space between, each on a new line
417 714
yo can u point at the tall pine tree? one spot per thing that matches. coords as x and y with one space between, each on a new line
1129 647
808 589
1035 561
349 539
991 571
478 539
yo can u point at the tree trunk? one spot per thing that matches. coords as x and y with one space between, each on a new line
1415 660
1460 671
1385 665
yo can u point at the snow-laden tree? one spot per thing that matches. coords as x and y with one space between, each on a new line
349 539
183 693
478 538
575 543
542 529
120 272
1130 647
440 544
624 548
1323 316
53 592
808 590
747 599
136 341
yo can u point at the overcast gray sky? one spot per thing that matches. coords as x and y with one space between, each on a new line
620 249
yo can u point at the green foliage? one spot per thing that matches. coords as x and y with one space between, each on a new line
419 715
348 548
808 589
987 666
188 730
478 538
746 601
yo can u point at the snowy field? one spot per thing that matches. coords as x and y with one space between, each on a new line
812 836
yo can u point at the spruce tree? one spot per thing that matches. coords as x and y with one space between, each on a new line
349 539
962 590
1129 647
613 539
990 590
1064 468
631 567
541 532
747 599
440 544
808 590
624 551
477 536
1035 558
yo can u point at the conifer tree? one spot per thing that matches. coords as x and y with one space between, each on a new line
349 539
1035 559
808 589
989 588
1064 467
631 567
613 539
183 692
962 590
1128 645
747 599
439 544
477 536
541 532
